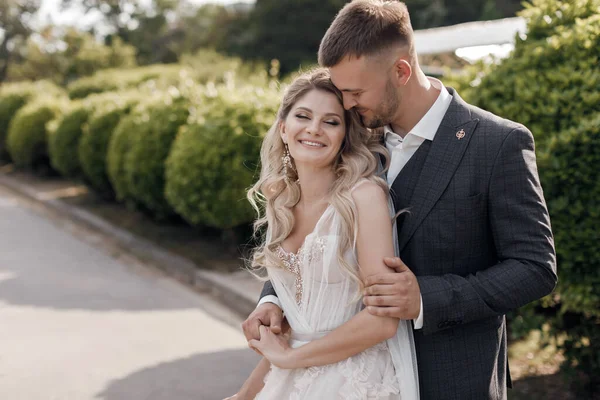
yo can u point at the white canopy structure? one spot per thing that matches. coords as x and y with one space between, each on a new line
481 33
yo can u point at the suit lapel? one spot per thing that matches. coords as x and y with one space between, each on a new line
447 149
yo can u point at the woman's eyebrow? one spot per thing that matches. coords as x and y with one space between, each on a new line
310 111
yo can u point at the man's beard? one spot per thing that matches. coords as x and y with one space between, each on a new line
384 114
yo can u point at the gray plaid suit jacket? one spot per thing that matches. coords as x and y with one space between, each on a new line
479 240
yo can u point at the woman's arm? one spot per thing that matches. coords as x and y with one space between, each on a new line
374 242
254 383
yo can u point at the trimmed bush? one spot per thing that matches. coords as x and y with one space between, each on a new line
93 144
206 66
214 159
120 79
149 146
13 96
211 66
571 179
550 82
64 140
28 133
118 148
9 105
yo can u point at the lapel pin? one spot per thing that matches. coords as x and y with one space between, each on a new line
460 134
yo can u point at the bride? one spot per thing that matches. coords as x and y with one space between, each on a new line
328 227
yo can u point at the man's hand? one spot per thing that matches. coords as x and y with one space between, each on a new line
267 314
394 294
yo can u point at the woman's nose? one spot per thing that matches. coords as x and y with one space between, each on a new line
314 128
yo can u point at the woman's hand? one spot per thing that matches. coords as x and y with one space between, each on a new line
274 348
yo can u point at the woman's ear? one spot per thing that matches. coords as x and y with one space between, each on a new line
282 133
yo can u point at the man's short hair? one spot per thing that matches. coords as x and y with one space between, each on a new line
366 27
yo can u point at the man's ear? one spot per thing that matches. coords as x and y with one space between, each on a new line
402 71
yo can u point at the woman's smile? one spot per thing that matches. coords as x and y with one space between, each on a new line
311 143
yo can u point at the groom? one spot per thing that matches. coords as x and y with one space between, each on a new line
476 242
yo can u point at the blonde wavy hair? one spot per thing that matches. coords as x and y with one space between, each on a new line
275 194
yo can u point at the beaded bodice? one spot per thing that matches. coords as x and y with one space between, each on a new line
292 262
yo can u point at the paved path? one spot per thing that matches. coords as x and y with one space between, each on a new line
79 320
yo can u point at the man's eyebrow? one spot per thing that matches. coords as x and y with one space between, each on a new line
351 90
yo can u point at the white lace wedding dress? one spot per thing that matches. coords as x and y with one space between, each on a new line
317 296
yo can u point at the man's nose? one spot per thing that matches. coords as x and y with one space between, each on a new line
349 102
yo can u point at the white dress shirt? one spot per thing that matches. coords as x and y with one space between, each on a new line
402 149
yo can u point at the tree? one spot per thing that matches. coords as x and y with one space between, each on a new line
142 25
62 55
433 13
204 27
288 30
291 30
15 16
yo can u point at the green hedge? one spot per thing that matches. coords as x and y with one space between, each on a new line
93 144
205 66
110 80
551 84
64 140
118 148
13 96
214 160
28 132
149 145
570 175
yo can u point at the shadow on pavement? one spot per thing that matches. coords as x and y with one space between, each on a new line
212 376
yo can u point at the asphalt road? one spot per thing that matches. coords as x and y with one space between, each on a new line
81 320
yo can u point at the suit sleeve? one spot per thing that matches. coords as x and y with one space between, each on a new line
522 236
267 290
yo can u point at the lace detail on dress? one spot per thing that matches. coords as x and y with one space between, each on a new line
303 382
293 261
357 371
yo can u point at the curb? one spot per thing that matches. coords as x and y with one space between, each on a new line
221 285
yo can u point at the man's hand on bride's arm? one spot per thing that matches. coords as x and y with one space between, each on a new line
267 314
395 294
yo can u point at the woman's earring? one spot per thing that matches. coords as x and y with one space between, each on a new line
287 161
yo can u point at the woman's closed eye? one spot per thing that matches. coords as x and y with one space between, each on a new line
332 122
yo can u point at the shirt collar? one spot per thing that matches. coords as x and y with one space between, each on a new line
427 127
